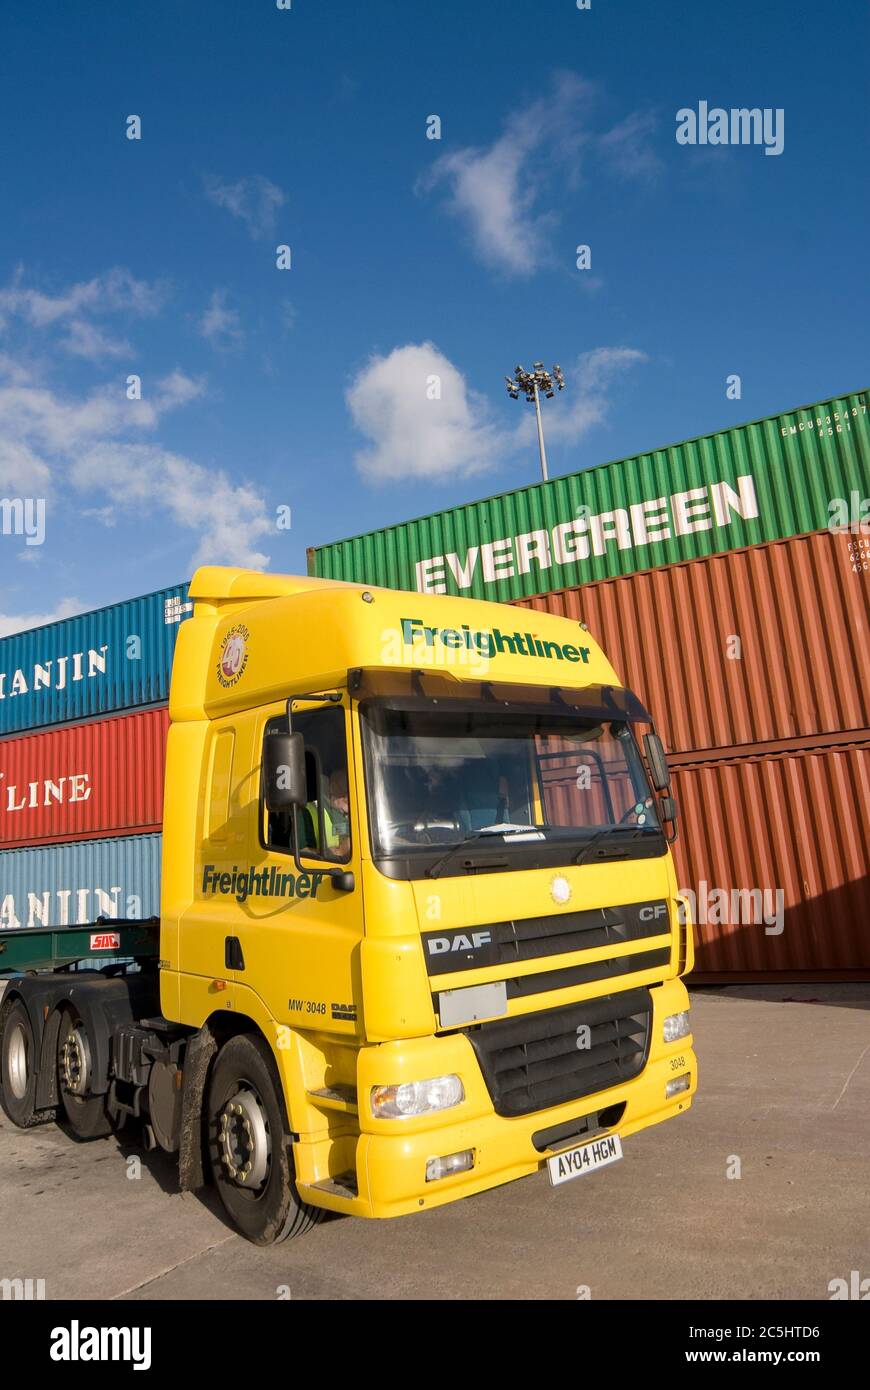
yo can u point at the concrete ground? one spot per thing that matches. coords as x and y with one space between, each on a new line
785 1088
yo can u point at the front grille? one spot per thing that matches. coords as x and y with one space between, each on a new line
530 938
587 974
534 1062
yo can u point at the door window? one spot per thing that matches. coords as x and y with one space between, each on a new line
324 822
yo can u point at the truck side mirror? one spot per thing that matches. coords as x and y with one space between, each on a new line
658 763
285 781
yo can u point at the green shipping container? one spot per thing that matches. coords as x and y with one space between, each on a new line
763 481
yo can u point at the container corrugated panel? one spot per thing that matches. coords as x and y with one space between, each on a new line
95 663
676 503
798 826
753 645
85 781
61 885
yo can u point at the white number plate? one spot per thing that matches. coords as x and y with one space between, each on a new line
573 1163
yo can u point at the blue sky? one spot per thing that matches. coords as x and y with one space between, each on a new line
410 258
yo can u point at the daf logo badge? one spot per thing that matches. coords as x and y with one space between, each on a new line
560 889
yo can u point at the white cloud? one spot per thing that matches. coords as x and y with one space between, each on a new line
85 339
499 191
49 440
22 622
143 479
413 436
22 472
116 291
629 150
220 325
255 200
39 417
73 309
84 450
107 516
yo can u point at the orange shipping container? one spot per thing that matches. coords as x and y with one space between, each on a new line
766 643
786 838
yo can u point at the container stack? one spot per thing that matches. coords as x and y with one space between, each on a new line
731 591
83 724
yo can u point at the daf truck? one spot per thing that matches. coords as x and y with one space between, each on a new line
419 928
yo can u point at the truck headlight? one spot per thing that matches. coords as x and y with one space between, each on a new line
416 1097
677 1026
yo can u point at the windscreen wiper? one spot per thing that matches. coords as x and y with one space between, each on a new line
485 833
633 831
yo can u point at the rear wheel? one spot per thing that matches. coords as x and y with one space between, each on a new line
18 1068
248 1148
86 1113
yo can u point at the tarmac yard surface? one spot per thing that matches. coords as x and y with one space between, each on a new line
784 1099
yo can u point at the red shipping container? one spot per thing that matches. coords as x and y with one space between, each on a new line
99 778
776 851
766 643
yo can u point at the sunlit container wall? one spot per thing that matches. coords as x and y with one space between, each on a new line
61 885
765 644
100 662
792 831
756 667
83 781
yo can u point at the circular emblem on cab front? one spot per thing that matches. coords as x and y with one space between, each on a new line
233 656
560 889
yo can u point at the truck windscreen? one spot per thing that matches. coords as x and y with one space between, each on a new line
505 788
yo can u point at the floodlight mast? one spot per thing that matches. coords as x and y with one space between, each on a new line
532 384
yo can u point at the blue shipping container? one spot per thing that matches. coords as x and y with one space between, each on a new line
114 658
69 884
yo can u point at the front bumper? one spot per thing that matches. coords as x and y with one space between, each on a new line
391 1155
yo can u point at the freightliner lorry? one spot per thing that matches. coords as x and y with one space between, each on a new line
419 930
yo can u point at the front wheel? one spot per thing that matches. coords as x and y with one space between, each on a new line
18 1068
248 1147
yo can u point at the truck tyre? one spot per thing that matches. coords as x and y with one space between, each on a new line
248 1145
85 1113
17 1068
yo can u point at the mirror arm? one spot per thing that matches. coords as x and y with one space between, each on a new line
327 697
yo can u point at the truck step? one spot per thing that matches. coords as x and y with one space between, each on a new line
337 1097
342 1185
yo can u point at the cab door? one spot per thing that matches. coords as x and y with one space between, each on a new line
298 934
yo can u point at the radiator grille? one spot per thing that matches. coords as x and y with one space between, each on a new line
534 1062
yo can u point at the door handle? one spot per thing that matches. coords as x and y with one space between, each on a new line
233 956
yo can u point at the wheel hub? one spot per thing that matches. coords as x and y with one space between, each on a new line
75 1061
17 1062
243 1133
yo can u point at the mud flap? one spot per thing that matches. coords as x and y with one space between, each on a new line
198 1057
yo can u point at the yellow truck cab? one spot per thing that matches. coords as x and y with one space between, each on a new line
419 929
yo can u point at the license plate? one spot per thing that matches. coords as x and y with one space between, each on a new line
573 1163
